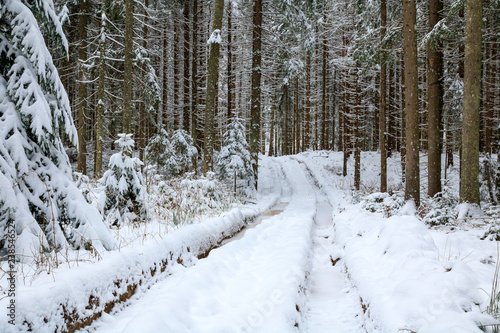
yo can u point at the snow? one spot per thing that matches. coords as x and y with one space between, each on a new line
215 37
326 258
43 298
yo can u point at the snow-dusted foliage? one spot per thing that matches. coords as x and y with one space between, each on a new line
234 157
172 155
125 193
37 191
156 150
180 154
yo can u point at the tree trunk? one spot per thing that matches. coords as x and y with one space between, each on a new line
391 127
357 138
143 120
383 102
469 176
297 117
435 103
256 89
324 101
489 93
128 67
177 41
212 85
307 129
194 80
412 191
163 114
99 126
334 108
186 117
82 89
230 75
403 120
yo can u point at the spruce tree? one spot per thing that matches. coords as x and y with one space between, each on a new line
38 193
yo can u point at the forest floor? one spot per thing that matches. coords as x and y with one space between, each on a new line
319 258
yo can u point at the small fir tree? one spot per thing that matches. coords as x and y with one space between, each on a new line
125 193
156 150
180 154
233 161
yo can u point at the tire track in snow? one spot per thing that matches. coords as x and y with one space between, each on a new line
332 300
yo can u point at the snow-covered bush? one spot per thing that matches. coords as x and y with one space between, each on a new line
125 193
172 156
383 203
156 150
38 194
183 200
233 161
441 209
181 154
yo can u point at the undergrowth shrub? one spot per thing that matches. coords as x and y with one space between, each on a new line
125 193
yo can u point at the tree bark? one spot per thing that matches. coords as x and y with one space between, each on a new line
176 100
128 67
82 89
469 176
256 89
297 116
194 80
186 117
307 121
324 100
212 86
383 102
435 103
357 138
99 126
230 75
412 191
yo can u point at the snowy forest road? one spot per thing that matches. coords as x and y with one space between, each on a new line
281 275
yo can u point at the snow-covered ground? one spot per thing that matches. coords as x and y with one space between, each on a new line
324 259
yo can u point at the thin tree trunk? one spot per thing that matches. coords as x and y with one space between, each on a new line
286 127
177 93
383 102
403 120
271 131
143 120
212 83
297 116
163 114
391 128
128 67
307 129
489 93
324 101
469 176
357 139
435 103
334 108
186 117
194 80
230 75
412 191
256 89
82 89
100 97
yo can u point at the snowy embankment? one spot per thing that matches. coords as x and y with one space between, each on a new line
79 295
406 281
